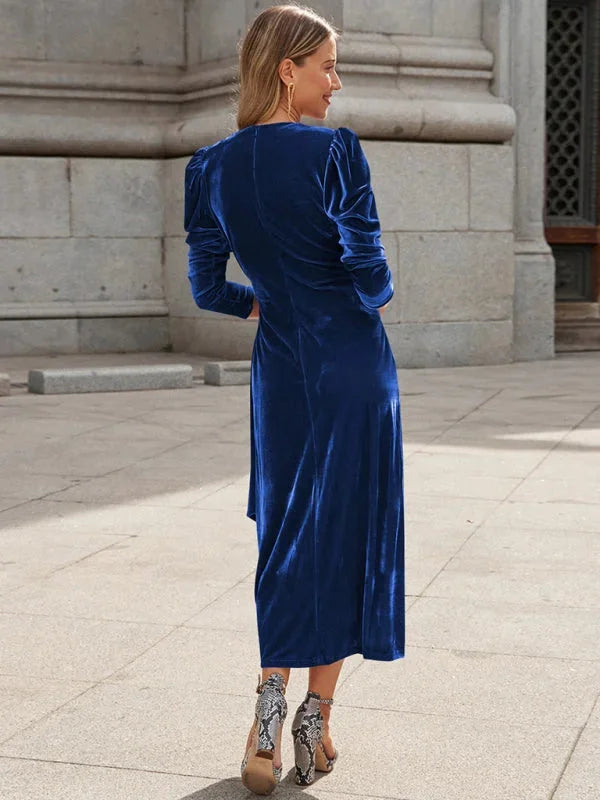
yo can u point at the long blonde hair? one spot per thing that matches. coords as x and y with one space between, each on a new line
284 31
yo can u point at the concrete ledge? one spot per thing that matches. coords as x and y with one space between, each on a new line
84 308
227 373
110 379
4 384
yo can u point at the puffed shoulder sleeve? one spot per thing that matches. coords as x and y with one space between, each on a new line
209 249
349 201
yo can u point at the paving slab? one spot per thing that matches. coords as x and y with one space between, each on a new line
23 778
581 778
24 699
491 626
63 648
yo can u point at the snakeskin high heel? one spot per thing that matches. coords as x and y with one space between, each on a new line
258 773
307 732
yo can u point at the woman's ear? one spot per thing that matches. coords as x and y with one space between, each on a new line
285 70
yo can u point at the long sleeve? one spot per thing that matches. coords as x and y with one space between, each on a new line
349 201
209 250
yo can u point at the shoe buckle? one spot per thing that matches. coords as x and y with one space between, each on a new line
261 684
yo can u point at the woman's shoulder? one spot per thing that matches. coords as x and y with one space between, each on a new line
323 132
319 138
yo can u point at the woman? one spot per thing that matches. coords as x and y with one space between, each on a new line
294 203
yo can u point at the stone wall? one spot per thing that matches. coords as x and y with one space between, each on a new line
81 255
452 18
94 31
105 100
81 246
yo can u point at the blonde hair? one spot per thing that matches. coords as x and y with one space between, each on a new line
284 31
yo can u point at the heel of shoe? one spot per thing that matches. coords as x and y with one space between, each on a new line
271 711
258 773
307 733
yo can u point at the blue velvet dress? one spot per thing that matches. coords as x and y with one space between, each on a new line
294 203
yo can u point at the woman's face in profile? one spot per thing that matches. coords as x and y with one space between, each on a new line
316 81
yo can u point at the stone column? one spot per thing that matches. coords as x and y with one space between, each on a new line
516 32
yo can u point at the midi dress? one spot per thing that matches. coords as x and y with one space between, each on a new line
294 204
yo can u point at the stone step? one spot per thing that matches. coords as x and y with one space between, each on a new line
576 335
110 379
227 373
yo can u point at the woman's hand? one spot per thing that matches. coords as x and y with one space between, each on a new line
380 309
254 314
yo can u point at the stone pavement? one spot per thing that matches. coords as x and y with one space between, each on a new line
129 654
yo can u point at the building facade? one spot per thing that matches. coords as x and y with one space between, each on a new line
104 101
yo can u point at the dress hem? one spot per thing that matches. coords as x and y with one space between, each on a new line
316 662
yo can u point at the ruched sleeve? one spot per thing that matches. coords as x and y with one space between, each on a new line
209 249
349 201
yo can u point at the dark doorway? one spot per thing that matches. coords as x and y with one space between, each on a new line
572 202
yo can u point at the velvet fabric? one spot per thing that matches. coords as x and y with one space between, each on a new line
294 203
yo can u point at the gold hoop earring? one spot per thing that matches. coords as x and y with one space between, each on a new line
290 92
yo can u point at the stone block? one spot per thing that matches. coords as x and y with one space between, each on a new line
4 384
451 344
173 183
383 16
123 334
534 286
419 186
110 379
227 373
457 18
123 31
214 27
444 277
116 197
22 29
535 340
178 291
534 307
34 196
491 173
36 336
45 270
390 244
219 336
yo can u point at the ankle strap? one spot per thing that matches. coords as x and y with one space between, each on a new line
328 700
261 684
